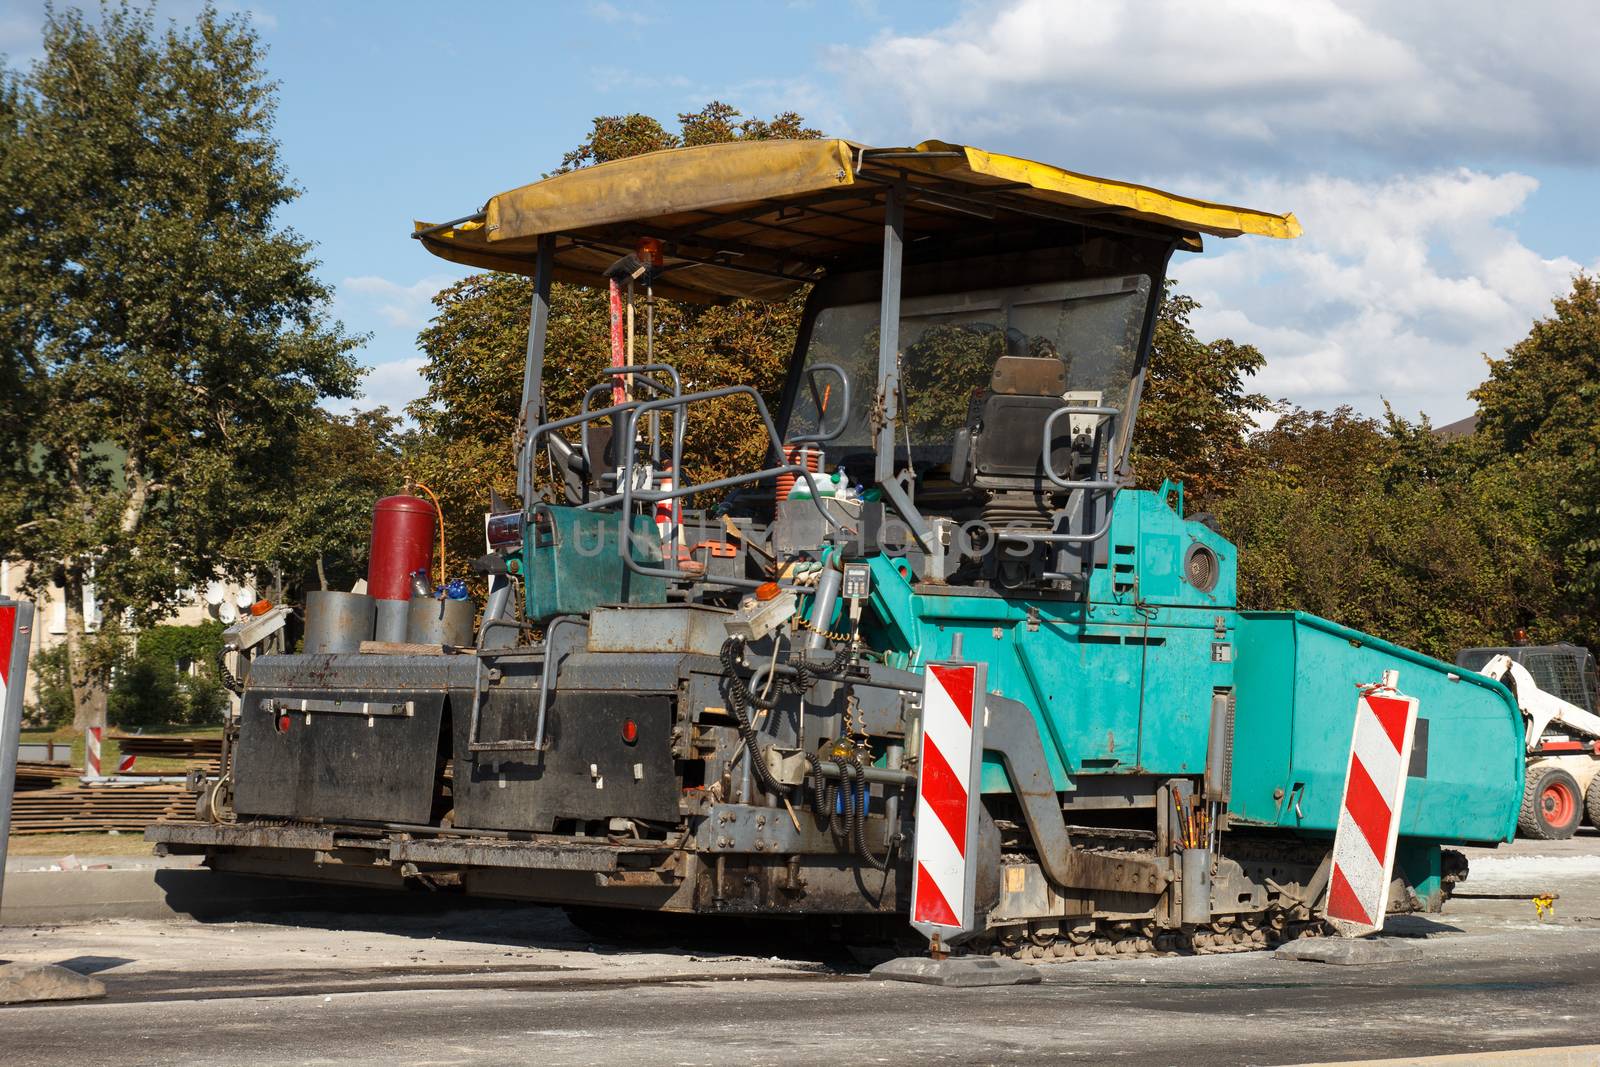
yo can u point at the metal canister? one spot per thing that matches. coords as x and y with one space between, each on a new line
338 622
402 542
431 621
1196 873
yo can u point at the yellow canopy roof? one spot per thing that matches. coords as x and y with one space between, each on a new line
761 218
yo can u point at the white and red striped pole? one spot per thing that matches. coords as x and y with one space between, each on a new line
950 761
667 514
1369 812
16 630
91 751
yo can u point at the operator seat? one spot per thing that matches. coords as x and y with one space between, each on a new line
1001 446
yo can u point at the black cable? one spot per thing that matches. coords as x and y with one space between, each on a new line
739 700
861 825
230 681
839 812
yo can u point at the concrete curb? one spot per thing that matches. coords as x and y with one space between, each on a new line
29 983
957 972
1350 952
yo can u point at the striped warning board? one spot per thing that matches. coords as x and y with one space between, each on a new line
950 759
8 638
1369 814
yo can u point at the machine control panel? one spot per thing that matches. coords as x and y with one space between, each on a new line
857 583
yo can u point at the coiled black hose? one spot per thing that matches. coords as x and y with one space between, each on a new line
739 700
230 681
821 792
853 783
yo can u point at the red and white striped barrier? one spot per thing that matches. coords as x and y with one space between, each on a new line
91 752
949 764
8 634
1369 813
666 512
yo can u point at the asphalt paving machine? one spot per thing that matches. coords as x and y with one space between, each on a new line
709 697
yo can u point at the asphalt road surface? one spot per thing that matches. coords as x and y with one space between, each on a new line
524 985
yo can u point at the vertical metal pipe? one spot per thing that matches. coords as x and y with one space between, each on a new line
1219 749
533 364
894 757
16 633
822 604
496 610
894 239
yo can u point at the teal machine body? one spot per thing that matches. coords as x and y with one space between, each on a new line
1125 682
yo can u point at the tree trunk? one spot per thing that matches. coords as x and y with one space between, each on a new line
322 574
88 688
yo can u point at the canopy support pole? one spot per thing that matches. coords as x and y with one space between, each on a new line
894 243
936 564
533 412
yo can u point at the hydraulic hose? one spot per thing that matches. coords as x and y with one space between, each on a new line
739 700
742 695
230 681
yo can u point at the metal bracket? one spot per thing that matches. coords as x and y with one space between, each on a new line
366 709
1011 733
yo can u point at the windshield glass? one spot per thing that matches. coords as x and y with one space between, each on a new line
949 345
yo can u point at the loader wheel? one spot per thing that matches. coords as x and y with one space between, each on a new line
1591 803
1551 809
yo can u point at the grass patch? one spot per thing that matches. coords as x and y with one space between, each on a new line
123 844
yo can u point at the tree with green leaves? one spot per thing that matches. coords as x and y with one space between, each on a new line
621 136
314 531
1197 412
1539 433
1382 527
164 338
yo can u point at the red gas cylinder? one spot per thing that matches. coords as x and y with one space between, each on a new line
402 542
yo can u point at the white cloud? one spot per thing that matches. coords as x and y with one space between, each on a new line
1396 291
616 15
392 384
398 305
1162 82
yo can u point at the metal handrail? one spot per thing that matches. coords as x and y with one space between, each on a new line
1109 481
1107 484
547 672
628 495
637 370
629 412
821 437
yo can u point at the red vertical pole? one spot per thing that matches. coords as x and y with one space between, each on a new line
618 342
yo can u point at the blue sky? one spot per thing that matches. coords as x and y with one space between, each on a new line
1442 157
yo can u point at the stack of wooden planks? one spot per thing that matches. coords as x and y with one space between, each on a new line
96 808
168 747
31 775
